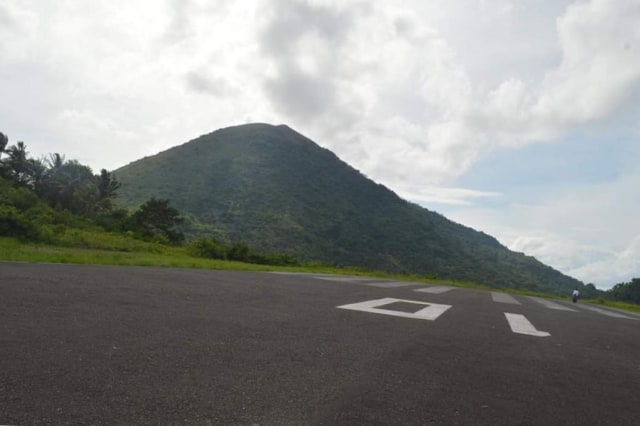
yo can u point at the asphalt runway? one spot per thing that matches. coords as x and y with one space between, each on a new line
121 345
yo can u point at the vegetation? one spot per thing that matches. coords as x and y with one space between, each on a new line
152 254
157 219
62 203
239 251
129 253
626 292
633 307
280 192
56 210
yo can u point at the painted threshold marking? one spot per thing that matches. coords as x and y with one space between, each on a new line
521 325
340 279
430 312
552 305
438 289
389 284
503 298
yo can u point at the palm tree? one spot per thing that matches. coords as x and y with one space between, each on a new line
55 161
18 164
64 182
107 187
4 140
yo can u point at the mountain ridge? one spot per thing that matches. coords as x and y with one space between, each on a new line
279 191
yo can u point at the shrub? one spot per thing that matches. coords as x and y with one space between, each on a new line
12 223
281 259
209 248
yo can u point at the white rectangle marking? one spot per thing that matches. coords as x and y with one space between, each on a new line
551 305
389 284
503 298
341 279
521 325
430 312
439 289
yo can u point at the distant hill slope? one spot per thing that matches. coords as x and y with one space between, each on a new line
280 192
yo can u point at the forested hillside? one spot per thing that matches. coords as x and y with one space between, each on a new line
61 202
279 191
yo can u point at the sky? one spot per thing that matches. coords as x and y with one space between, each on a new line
517 118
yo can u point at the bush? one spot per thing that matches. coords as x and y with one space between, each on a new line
240 252
114 221
281 259
21 198
12 223
209 248
157 220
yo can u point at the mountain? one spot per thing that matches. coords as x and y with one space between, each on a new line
280 192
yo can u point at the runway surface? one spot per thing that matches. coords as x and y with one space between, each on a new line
127 345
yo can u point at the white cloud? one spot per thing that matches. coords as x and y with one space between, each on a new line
356 77
421 116
600 64
412 93
591 262
609 270
17 25
454 196
591 233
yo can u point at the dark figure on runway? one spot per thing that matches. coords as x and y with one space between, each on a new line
575 296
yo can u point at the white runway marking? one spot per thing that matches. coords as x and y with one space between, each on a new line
430 312
606 312
503 298
521 325
435 289
551 305
390 284
341 279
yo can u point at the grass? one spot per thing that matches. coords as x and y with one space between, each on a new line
136 253
123 251
614 304
175 257
126 252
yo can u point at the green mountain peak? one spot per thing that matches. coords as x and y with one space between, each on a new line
280 192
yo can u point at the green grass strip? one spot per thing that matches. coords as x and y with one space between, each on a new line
148 254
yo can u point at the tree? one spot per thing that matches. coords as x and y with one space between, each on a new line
157 219
627 292
590 291
69 185
18 168
4 141
55 161
17 164
107 187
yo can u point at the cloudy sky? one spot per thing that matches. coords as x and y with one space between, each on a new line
517 118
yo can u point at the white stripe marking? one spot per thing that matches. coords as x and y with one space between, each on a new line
552 305
435 289
606 312
503 298
521 325
431 312
390 284
341 279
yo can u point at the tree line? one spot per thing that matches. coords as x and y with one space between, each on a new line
38 196
626 292
42 197
31 185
